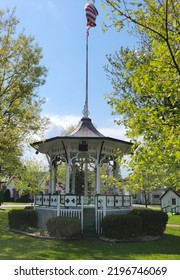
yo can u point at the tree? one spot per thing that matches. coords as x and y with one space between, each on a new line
146 83
30 178
20 76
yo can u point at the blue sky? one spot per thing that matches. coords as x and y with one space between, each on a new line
59 26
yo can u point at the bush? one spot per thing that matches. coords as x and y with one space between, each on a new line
1 197
154 221
64 227
19 219
7 196
29 207
25 198
123 227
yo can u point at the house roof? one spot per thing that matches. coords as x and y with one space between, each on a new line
174 191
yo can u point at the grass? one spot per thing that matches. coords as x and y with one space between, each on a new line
174 219
154 207
15 246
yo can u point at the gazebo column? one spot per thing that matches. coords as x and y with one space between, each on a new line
86 178
73 178
98 178
67 177
50 176
55 178
116 169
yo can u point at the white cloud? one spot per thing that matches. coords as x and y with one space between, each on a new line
117 132
58 123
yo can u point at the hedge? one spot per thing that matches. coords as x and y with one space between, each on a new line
154 221
64 227
19 219
122 227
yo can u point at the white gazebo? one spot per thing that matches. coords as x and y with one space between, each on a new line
88 148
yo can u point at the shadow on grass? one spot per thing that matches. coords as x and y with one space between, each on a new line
17 247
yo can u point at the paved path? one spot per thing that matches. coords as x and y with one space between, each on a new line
14 205
173 225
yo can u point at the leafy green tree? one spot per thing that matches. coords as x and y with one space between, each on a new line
146 88
31 177
20 76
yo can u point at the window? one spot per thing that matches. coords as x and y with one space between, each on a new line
173 201
156 196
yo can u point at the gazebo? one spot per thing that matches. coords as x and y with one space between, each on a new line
85 146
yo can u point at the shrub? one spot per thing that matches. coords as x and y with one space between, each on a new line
7 195
64 227
19 219
154 221
1 197
29 207
123 227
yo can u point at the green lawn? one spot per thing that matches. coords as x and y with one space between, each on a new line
174 219
15 246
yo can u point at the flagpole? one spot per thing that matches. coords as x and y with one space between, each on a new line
90 23
86 111
87 78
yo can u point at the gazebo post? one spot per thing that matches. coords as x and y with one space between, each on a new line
115 169
97 178
50 176
73 178
67 177
55 178
86 178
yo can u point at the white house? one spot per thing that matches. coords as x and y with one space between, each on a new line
170 201
153 197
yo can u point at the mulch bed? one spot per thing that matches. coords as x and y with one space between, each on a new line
45 235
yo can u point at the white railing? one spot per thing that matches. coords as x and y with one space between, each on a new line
70 213
73 205
99 218
71 201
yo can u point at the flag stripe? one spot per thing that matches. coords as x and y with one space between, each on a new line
91 13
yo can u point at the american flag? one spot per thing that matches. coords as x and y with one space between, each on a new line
91 14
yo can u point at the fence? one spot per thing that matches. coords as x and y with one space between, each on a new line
73 206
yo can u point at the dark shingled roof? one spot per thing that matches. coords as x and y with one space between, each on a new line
84 131
85 128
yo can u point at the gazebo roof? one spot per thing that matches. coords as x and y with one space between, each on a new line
85 128
85 132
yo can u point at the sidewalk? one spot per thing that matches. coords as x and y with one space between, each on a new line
3 205
173 225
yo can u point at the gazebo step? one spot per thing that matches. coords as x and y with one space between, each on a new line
89 233
89 226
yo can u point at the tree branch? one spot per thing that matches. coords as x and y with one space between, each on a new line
165 38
